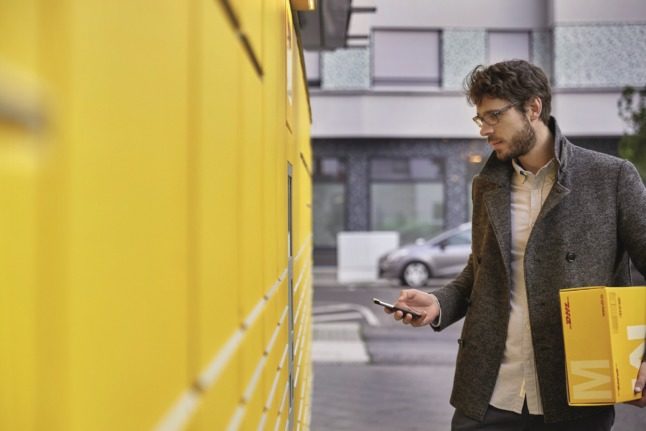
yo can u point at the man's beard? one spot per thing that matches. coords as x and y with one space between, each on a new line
521 143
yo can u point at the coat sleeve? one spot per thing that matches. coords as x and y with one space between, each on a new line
631 214
454 297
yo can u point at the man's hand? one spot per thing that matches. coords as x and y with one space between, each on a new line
422 302
639 387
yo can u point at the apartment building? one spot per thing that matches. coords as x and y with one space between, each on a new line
393 142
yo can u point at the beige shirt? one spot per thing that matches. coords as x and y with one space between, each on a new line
517 378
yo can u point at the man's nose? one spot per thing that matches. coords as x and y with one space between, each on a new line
486 130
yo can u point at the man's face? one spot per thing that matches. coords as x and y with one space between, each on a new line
512 136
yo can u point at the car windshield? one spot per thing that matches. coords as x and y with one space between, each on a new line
462 237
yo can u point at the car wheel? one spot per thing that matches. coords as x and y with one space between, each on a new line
415 274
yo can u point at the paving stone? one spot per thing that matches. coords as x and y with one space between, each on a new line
381 397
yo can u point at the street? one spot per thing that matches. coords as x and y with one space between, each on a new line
373 373
404 385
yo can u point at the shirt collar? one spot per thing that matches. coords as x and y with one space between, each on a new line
548 170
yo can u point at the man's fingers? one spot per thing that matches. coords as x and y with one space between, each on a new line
641 378
403 295
408 318
639 387
421 321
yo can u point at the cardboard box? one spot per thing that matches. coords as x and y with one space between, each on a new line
604 330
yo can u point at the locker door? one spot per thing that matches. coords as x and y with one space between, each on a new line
21 130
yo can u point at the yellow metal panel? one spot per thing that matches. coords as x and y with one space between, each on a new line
274 183
250 13
281 398
19 31
217 196
250 199
127 239
280 378
252 349
290 47
274 328
18 258
281 208
53 365
274 159
269 321
21 143
254 410
220 402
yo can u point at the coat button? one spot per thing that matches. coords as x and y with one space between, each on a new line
570 257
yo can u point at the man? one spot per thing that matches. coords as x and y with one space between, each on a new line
547 215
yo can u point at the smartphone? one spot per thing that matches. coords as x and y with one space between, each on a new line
415 314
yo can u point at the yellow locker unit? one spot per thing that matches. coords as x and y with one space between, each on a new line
156 224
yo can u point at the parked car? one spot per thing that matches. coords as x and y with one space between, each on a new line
444 255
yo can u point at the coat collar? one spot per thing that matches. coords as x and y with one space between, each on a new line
500 172
562 148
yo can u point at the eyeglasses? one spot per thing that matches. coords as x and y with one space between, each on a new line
491 118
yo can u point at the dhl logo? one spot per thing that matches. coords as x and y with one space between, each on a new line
568 313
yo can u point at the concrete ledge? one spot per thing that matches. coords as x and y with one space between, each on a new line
338 343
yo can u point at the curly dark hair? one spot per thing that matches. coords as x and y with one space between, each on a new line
516 81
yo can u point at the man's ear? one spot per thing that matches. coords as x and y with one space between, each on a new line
535 108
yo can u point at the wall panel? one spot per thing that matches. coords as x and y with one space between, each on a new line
144 224
128 211
217 181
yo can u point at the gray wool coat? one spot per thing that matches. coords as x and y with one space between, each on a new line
594 216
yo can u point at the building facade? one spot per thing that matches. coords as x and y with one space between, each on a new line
393 142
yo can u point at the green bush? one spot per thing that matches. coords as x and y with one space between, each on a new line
632 109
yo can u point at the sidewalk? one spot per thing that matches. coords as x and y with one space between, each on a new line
377 377
380 397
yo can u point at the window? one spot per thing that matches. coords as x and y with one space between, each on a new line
312 68
462 238
407 195
404 169
329 200
406 57
508 45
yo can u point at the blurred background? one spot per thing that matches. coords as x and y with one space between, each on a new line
393 142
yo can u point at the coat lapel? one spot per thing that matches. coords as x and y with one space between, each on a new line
562 154
557 194
497 202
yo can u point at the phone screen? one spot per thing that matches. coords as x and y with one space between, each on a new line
413 313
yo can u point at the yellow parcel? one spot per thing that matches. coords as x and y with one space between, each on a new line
604 330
